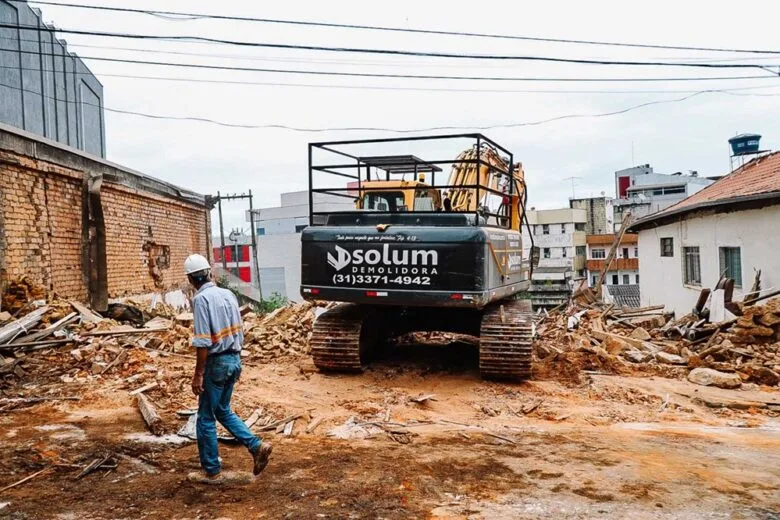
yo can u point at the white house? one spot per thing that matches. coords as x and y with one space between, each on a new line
731 227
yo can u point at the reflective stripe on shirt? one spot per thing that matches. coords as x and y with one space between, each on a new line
217 320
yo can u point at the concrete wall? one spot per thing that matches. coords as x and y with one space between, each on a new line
599 213
150 225
283 251
45 89
753 231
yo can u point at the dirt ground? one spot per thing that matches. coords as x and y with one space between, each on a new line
607 447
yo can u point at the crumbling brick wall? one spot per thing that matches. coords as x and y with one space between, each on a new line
149 229
41 224
148 238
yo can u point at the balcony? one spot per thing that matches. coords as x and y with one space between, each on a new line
618 264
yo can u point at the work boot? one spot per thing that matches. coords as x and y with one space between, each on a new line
261 457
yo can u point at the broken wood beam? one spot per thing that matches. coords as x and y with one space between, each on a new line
252 419
93 466
48 331
275 424
150 415
12 330
87 316
313 424
125 332
144 388
25 479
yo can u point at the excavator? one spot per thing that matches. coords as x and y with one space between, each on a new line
414 256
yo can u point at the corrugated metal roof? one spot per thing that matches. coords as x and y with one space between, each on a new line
625 295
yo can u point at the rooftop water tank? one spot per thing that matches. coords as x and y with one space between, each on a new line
744 144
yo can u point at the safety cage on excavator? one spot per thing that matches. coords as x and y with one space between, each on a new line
395 177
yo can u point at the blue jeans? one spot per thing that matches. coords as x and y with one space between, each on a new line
219 377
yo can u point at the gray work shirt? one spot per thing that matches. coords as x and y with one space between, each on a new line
218 325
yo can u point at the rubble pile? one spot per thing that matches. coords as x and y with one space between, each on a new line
18 294
283 332
629 341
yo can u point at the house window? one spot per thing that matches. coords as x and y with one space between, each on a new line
731 264
637 279
563 229
547 252
636 252
667 246
595 280
625 252
691 266
580 251
615 280
598 253
545 229
625 280
563 252
261 231
579 226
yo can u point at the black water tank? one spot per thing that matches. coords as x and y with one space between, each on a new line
744 144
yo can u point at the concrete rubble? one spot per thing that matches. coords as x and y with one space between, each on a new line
632 341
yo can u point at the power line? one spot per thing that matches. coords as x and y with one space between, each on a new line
397 52
199 16
320 60
397 76
386 88
379 129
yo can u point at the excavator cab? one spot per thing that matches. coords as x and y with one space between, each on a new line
417 255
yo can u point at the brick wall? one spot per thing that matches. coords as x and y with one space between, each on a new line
149 229
134 220
41 216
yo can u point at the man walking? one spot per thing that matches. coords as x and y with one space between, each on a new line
218 339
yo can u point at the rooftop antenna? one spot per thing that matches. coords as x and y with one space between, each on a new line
572 184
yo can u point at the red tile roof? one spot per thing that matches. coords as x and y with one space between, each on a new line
760 176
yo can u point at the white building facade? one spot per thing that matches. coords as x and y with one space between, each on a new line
643 192
560 236
729 228
279 239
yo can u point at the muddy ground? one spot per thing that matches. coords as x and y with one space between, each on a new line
606 447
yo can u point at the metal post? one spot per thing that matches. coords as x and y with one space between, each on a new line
255 253
311 187
479 164
221 233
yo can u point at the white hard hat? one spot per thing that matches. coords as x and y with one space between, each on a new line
195 263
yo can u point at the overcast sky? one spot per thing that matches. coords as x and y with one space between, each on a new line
690 135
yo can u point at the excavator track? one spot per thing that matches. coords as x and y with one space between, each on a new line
341 338
506 341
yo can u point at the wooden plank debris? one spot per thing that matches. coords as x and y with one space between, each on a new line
273 425
25 479
254 417
423 398
87 316
22 325
125 332
94 465
288 428
150 415
144 388
313 424
119 357
48 331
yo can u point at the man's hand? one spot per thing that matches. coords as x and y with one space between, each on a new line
197 383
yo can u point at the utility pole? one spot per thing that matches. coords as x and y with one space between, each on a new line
220 198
